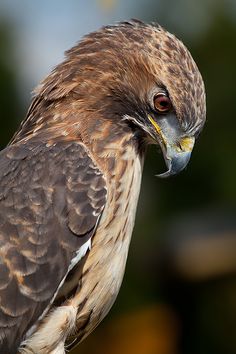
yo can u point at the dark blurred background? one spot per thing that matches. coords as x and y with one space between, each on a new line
179 290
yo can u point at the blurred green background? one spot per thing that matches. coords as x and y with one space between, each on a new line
179 290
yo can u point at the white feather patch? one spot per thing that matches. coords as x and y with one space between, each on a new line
80 254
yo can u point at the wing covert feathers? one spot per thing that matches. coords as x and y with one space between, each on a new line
51 198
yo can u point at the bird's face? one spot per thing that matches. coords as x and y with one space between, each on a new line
162 126
160 121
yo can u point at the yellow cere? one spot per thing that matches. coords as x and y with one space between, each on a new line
187 144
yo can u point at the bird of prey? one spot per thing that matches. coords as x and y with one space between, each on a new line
70 179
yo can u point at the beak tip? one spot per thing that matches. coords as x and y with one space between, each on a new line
165 174
176 164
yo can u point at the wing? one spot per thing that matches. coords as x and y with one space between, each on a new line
51 198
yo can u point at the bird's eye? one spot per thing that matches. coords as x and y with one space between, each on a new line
162 103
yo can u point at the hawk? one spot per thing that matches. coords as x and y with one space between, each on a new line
70 179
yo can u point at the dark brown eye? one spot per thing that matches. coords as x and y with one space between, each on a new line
162 103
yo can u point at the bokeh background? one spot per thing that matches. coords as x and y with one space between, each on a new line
179 290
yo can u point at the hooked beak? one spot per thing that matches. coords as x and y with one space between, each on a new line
176 150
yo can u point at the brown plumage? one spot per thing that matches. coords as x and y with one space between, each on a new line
70 178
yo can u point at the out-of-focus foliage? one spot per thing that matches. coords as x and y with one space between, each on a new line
179 291
146 331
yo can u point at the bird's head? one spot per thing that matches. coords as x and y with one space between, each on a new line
139 75
157 88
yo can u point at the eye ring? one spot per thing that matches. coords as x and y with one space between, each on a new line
162 103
